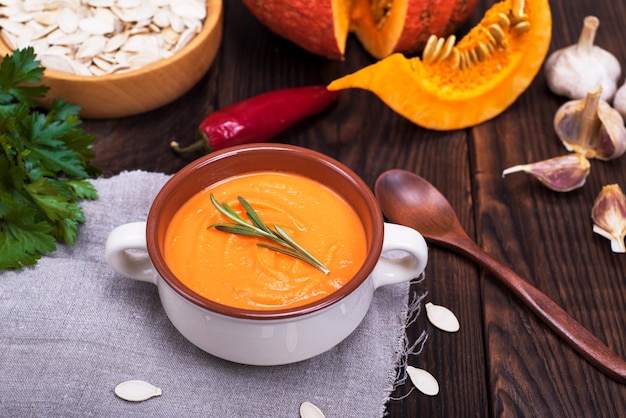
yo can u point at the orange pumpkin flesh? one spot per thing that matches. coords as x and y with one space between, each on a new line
382 26
406 25
444 95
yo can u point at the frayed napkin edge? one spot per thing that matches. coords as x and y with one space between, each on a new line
406 348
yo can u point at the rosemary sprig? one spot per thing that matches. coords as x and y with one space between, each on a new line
257 228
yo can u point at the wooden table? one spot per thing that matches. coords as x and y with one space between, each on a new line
504 361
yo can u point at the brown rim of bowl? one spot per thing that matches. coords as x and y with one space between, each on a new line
211 20
262 157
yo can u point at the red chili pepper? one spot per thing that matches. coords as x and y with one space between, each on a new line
259 118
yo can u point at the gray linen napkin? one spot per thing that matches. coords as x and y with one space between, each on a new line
71 329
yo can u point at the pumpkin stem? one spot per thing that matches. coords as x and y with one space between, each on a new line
588 34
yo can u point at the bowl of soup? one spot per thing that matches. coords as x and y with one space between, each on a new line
243 297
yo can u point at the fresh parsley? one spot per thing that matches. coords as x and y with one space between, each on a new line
44 165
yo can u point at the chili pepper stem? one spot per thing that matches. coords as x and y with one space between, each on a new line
198 145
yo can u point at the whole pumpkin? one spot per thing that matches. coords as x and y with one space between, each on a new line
382 26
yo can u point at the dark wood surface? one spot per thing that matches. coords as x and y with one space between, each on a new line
504 361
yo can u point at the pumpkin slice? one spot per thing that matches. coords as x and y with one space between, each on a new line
462 85
319 26
382 26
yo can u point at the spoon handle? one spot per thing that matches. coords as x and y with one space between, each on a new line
566 326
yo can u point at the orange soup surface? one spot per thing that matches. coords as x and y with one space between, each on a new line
232 270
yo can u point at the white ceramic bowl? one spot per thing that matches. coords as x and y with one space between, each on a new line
278 336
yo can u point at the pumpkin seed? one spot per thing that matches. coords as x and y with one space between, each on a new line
67 20
188 9
423 380
91 48
442 317
462 64
308 410
521 27
438 49
136 390
429 50
482 52
448 46
503 20
497 32
473 56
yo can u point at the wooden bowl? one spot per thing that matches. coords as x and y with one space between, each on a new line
138 91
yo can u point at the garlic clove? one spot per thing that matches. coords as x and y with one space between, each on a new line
612 134
609 216
562 174
572 71
591 127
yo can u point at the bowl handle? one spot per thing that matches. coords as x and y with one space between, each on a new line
126 252
404 256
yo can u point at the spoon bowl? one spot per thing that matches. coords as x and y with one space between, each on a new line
408 199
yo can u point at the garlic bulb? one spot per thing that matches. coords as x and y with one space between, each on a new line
562 174
572 71
609 216
619 100
591 127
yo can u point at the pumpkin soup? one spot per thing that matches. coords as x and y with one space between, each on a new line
233 270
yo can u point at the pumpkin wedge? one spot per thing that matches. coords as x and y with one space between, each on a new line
457 85
382 26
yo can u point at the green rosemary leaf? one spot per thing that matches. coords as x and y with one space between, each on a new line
284 250
304 257
235 229
227 211
230 210
257 228
281 233
254 217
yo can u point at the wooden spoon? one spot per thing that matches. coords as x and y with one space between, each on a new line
408 199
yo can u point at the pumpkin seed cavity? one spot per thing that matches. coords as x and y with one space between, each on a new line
481 45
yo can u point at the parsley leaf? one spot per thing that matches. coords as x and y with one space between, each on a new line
21 68
44 165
